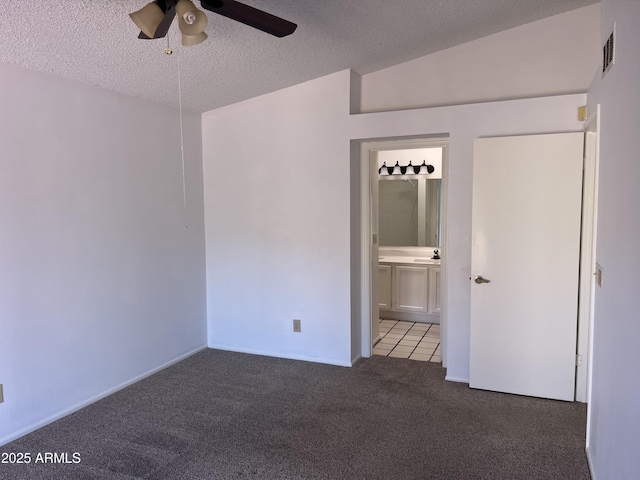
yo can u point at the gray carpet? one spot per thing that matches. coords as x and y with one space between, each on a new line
223 415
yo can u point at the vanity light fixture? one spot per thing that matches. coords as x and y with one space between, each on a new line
410 169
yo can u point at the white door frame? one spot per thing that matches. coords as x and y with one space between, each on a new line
588 258
369 296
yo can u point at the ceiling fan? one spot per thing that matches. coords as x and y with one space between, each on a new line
155 18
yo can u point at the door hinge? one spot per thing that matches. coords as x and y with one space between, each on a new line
578 360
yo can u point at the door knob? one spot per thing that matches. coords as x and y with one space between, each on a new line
479 280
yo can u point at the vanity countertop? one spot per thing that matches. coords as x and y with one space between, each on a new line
408 260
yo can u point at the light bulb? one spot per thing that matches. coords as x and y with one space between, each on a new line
189 18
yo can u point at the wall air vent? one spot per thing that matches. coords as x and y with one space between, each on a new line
608 52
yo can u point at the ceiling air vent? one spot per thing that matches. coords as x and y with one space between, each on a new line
608 52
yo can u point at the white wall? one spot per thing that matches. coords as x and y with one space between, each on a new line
463 124
556 55
278 243
100 281
614 416
277 233
277 217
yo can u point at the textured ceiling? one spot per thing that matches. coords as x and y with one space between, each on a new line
95 42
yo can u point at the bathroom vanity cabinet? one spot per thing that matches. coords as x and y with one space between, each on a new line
434 290
409 292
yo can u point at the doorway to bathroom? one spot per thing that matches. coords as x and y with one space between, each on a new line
403 278
413 340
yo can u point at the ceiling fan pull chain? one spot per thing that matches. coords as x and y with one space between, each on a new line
184 183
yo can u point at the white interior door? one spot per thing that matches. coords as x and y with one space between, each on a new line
526 241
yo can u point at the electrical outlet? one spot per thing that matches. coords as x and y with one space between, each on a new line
1 394
296 325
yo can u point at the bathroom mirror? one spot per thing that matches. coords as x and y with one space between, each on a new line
409 212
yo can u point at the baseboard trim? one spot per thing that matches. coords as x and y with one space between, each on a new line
411 317
304 358
590 464
95 398
456 379
356 360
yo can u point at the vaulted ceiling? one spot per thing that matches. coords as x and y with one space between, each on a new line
95 42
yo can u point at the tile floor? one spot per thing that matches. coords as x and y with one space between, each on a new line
416 341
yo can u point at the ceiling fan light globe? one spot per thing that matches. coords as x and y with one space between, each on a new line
191 40
191 21
148 18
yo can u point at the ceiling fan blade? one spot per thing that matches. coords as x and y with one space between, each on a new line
253 17
169 9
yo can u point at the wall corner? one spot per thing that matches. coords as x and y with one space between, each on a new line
355 93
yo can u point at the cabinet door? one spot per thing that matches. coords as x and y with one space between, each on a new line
410 293
434 290
384 287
